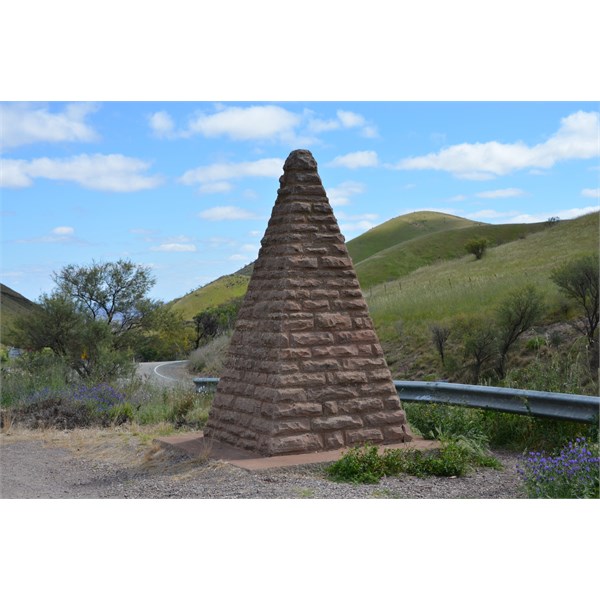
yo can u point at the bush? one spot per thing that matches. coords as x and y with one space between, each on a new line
477 247
572 473
483 428
209 360
365 464
358 465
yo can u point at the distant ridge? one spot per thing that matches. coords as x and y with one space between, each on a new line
12 306
402 229
385 253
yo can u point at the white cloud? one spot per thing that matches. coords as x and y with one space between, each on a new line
370 132
350 119
162 124
357 226
107 172
591 192
319 125
13 174
174 247
505 193
345 120
59 235
252 123
569 213
63 231
216 187
221 172
355 160
255 233
24 124
226 213
340 195
238 257
576 138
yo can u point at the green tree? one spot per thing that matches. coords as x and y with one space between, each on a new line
578 279
477 247
94 318
114 292
165 335
518 313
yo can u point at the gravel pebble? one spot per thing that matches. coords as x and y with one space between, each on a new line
32 469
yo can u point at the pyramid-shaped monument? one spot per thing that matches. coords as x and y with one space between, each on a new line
305 370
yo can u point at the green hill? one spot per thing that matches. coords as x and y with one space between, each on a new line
401 229
217 292
416 241
12 306
467 287
403 258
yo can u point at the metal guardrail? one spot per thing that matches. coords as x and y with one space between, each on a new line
571 407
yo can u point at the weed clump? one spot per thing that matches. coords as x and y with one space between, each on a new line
365 464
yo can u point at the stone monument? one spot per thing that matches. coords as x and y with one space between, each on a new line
305 371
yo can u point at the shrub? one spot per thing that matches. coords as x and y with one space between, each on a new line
209 360
365 464
514 317
361 464
477 247
579 280
485 428
572 473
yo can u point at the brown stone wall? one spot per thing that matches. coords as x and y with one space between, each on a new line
305 370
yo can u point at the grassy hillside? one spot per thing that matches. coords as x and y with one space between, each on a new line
404 228
403 258
217 292
401 229
12 306
468 287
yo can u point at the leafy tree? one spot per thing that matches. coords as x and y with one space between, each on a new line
477 246
578 279
93 319
115 292
514 317
216 320
165 335
57 324
206 325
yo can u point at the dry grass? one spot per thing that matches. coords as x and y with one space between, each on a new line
129 446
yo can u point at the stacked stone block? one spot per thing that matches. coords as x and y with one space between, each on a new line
305 371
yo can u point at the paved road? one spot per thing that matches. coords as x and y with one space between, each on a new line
168 374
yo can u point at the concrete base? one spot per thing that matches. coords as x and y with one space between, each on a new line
195 445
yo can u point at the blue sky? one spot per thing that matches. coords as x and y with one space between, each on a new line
187 187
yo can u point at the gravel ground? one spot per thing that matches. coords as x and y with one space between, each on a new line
118 465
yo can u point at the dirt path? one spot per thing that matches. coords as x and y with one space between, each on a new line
124 463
